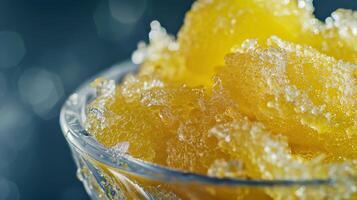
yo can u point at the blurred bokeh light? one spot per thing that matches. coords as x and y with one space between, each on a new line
12 49
48 48
8 190
3 85
42 90
108 27
127 12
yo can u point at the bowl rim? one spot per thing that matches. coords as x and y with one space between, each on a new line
72 116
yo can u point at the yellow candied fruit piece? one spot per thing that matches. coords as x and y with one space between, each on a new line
180 127
338 37
163 123
213 27
267 156
160 58
296 91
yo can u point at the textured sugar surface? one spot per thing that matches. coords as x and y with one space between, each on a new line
281 105
296 91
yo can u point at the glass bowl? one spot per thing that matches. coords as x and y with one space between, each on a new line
107 175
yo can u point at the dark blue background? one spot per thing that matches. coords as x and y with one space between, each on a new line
51 46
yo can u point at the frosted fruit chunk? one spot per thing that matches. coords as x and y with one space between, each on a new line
276 109
163 123
338 37
160 58
213 27
297 91
267 156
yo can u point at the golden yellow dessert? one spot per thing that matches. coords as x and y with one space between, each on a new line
164 123
296 91
250 89
213 28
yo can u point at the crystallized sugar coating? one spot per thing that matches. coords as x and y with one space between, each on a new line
267 156
163 123
339 36
212 28
279 106
161 57
296 91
